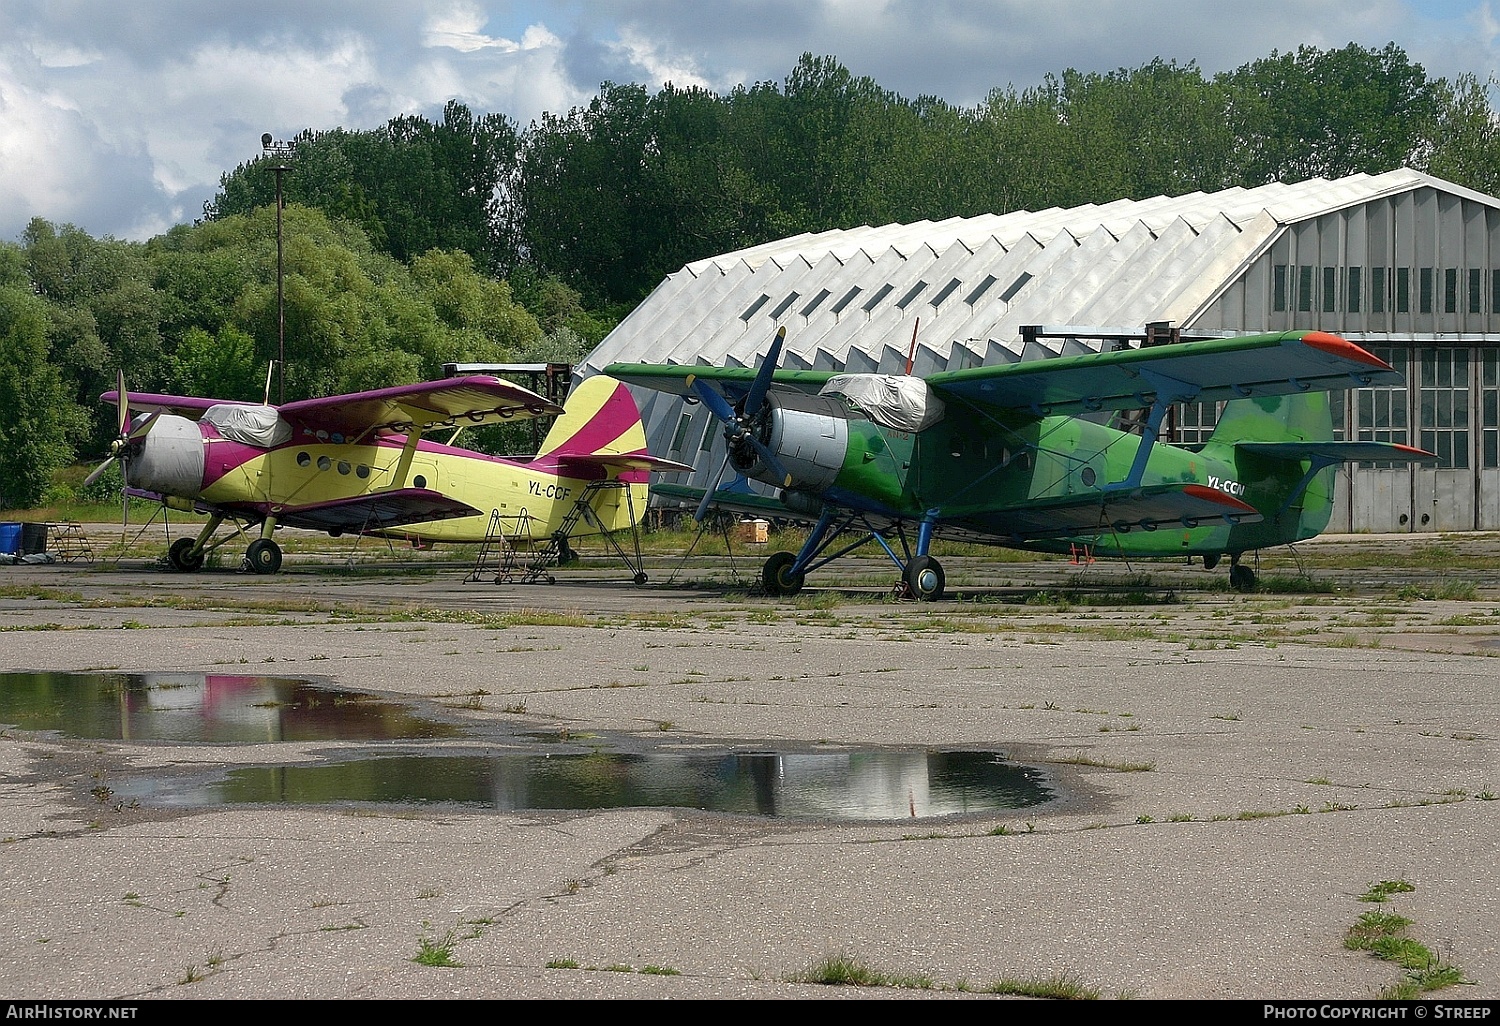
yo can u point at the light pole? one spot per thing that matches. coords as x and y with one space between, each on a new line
280 152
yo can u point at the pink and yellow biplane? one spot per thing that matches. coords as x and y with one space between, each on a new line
363 464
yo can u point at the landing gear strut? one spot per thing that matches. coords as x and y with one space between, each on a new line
1241 577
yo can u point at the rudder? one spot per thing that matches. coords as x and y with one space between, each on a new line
599 417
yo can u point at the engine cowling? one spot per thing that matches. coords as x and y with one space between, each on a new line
809 435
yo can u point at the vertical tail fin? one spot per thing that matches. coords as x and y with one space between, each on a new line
1299 417
600 418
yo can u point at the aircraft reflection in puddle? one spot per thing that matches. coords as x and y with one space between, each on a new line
215 707
862 784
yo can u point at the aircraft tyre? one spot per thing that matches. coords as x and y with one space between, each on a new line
182 557
1241 578
641 577
924 579
264 556
776 576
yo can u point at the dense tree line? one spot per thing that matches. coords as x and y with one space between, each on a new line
471 238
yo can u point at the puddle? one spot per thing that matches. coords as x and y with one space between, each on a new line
568 773
196 707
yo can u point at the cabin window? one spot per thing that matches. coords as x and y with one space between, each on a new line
344 467
324 462
1087 477
361 471
419 481
304 459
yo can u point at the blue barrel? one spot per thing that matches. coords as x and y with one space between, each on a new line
10 539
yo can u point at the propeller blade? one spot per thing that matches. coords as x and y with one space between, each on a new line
122 403
708 496
143 429
97 472
711 398
762 383
770 460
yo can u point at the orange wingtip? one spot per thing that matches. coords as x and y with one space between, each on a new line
1344 348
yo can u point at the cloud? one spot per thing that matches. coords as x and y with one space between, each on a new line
121 117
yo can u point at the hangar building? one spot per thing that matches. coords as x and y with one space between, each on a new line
1405 264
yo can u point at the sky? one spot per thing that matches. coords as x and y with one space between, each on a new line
120 117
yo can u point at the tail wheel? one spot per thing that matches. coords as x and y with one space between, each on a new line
264 556
1241 578
777 577
924 579
182 557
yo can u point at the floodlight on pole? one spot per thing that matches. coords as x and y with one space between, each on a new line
280 152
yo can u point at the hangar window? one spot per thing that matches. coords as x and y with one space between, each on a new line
838 307
750 310
1424 290
1015 286
1443 393
1330 289
816 300
911 293
1489 407
707 441
1377 290
1353 293
878 297
1450 290
1474 287
1403 289
784 305
681 434
1305 288
1278 287
980 289
1495 292
937 300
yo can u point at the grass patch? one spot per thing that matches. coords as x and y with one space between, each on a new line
1384 935
436 952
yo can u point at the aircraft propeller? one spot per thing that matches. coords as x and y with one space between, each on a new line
126 434
740 426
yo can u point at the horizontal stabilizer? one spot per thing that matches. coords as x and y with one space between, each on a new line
1339 452
608 461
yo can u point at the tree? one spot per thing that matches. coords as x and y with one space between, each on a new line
1331 113
34 408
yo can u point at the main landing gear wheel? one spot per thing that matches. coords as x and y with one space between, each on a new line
182 557
924 579
641 578
1241 578
777 577
264 556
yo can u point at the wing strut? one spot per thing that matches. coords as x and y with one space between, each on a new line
1165 391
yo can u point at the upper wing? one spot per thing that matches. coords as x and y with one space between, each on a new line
449 402
732 381
1227 368
188 406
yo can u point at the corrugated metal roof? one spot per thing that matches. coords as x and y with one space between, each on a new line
851 297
